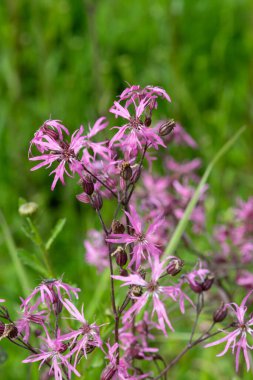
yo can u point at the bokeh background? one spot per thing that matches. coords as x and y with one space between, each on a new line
68 60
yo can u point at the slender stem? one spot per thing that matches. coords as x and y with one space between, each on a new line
40 243
100 181
186 349
199 307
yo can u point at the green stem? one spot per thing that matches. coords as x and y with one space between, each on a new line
39 242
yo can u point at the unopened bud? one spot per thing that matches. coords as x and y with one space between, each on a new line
8 331
136 175
28 208
1 328
108 372
220 314
175 266
97 201
123 272
88 184
136 291
148 121
126 171
208 282
121 256
196 287
167 127
117 227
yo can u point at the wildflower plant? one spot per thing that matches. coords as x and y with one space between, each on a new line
140 246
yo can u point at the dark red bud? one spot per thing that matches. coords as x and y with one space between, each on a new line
196 287
123 272
121 257
126 171
88 185
136 175
97 201
148 121
220 314
167 127
1 328
108 372
117 227
208 282
175 266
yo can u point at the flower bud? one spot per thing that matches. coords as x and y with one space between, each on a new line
167 127
28 208
175 266
208 282
108 372
97 201
117 227
126 171
136 175
136 291
220 314
123 272
196 287
147 121
121 256
88 184
2 327
10 331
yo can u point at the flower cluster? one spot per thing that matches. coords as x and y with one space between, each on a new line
42 310
147 284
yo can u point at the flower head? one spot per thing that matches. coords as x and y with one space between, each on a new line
237 339
143 240
154 290
54 149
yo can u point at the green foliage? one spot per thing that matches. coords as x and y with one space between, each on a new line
68 60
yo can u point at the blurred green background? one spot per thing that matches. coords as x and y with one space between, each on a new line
68 60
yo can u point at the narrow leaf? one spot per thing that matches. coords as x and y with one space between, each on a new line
56 230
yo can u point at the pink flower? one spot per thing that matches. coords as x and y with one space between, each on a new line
85 337
143 241
62 152
155 290
200 280
114 371
50 292
28 317
51 128
54 353
139 134
180 136
237 339
136 93
96 250
245 278
2 300
96 147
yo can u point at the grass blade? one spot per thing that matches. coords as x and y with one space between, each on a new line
174 241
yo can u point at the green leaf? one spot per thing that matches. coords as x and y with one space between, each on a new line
56 230
175 239
32 261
